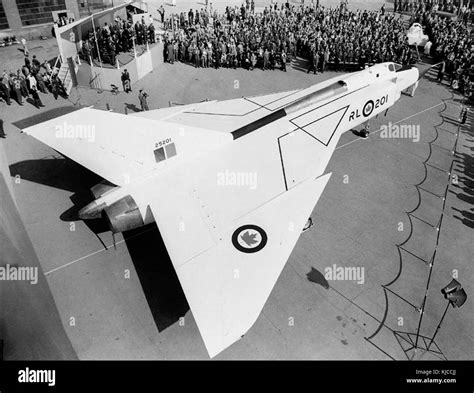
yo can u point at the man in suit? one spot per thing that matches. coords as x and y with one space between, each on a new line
170 52
442 68
266 59
16 88
5 87
325 60
161 10
2 132
126 81
283 61
142 97
314 63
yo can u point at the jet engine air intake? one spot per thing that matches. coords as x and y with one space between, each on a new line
301 103
102 188
123 215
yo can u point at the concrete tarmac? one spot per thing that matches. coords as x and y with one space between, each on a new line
126 302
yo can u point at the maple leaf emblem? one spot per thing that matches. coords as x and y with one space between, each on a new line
249 238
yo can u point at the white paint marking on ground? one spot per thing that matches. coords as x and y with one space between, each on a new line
82 258
121 241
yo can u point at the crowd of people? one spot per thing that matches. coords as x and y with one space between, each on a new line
33 78
63 21
420 6
335 37
328 37
120 36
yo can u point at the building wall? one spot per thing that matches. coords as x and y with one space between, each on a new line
3 18
34 18
38 12
11 12
30 323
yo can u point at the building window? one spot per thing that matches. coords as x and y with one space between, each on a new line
3 18
36 12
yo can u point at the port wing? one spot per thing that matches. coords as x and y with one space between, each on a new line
117 147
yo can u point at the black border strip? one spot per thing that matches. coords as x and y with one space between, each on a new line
240 376
45 116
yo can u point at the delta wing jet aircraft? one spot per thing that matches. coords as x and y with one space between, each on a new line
183 167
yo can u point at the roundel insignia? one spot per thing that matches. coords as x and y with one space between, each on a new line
249 238
368 108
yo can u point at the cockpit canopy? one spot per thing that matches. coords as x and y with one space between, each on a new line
394 67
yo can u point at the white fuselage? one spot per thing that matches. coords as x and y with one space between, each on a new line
365 94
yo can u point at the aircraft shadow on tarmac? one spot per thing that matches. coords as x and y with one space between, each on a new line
147 250
157 275
55 172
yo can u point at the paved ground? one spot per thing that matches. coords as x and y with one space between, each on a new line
126 304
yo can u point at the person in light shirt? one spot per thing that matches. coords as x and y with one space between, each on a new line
25 48
427 48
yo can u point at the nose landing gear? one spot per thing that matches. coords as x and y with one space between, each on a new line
366 131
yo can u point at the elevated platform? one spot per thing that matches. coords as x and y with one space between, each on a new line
101 78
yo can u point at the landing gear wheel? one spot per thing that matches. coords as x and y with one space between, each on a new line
365 132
